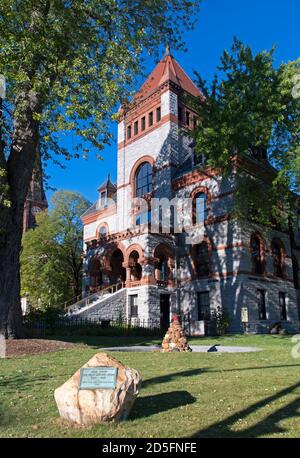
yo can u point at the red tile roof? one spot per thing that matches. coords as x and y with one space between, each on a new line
168 70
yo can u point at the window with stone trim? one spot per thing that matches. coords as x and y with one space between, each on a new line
202 260
180 111
199 208
256 255
282 306
103 231
133 305
143 218
143 180
158 114
136 127
128 132
187 118
261 303
198 159
203 305
278 259
103 198
143 123
150 119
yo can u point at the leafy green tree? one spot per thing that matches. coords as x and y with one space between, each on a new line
250 111
67 63
51 253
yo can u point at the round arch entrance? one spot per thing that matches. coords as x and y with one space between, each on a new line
118 272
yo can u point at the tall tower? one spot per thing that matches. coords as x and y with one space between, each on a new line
36 200
149 131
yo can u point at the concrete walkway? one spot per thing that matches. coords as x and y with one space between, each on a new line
195 348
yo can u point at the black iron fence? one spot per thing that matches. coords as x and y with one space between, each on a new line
92 326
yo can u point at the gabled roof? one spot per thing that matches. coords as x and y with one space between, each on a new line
168 70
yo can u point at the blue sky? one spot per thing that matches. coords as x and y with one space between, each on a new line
259 23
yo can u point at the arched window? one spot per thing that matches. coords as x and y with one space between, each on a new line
103 231
143 179
202 260
256 255
200 208
278 253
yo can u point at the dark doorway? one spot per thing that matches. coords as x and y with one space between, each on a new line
164 311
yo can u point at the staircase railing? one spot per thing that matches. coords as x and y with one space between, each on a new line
88 300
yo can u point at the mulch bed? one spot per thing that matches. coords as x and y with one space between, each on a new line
22 347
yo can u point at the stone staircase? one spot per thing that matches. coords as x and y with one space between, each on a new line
105 304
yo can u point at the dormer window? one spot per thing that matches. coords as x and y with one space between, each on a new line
158 114
103 198
129 132
136 127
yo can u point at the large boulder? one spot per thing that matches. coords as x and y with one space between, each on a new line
91 406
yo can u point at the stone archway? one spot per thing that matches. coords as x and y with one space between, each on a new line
118 272
164 263
135 266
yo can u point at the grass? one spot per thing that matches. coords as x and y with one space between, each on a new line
183 395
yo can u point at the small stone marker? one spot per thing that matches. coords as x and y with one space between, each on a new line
175 339
102 390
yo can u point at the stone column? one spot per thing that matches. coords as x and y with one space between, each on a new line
148 271
128 273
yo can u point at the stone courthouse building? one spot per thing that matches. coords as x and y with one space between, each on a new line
214 262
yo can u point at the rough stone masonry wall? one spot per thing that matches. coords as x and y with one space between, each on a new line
111 308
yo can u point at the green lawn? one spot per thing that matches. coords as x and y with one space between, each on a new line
183 395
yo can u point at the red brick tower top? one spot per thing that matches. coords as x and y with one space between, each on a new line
167 70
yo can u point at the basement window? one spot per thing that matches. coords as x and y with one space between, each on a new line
133 306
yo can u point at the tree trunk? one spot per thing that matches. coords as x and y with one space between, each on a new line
18 170
10 306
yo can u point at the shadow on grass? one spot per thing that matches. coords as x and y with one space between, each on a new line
107 341
24 382
253 368
269 424
157 403
175 375
206 370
